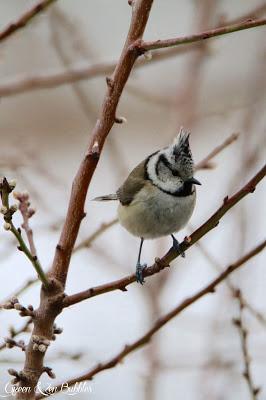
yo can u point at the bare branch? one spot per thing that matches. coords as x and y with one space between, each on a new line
143 340
5 189
76 73
21 290
52 299
233 289
88 241
252 14
27 213
161 44
75 213
15 332
164 262
205 163
243 333
24 19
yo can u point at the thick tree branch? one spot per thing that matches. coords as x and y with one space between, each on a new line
142 47
24 19
164 262
51 303
143 340
75 213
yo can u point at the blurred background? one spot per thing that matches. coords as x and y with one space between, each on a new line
213 89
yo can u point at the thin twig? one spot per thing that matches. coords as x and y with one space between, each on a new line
79 72
252 14
164 262
5 190
27 213
15 332
86 243
243 333
205 163
24 19
233 288
142 47
21 290
143 340
75 73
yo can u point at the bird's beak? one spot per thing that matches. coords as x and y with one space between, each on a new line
193 180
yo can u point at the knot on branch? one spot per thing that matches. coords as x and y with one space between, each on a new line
160 264
56 331
49 372
19 376
94 151
120 120
110 83
137 48
40 343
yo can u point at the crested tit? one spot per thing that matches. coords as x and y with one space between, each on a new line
159 195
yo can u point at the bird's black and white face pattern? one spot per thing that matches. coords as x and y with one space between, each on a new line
171 169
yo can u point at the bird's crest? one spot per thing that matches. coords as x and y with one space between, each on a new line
181 144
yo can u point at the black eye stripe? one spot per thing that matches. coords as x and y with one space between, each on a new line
166 163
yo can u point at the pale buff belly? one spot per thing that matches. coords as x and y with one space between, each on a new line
156 214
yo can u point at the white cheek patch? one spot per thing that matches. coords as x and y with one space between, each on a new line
165 181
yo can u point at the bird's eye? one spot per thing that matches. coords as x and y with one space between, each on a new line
175 173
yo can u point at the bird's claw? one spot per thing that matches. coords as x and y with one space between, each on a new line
139 272
176 246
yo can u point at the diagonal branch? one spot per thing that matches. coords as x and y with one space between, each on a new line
78 72
142 47
164 262
243 333
75 213
252 14
143 340
51 302
205 163
24 19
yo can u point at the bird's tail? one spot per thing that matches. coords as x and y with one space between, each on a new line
106 198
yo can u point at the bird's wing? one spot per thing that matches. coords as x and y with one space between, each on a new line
133 184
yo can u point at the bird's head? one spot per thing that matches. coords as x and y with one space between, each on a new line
180 157
173 167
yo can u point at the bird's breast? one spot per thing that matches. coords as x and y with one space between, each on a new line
154 213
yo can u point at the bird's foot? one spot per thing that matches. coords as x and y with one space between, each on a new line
176 246
139 272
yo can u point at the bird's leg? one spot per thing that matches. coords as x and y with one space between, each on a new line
176 246
140 267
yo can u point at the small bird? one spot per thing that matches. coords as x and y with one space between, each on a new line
158 197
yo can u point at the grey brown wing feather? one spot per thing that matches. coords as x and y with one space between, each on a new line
133 184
